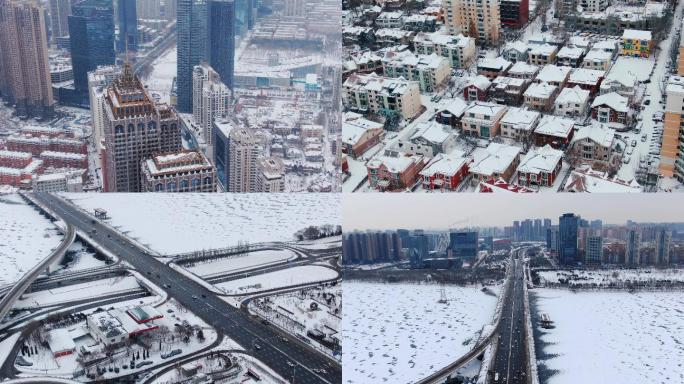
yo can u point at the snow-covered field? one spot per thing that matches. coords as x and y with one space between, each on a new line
177 223
611 337
26 238
83 259
240 263
280 279
611 277
398 333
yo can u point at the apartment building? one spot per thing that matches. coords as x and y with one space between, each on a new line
478 19
376 93
459 50
430 71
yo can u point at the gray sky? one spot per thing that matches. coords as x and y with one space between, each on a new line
446 210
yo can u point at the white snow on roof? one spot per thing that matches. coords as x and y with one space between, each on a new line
585 76
503 82
544 159
445 164
441 39
675 84
408 58
626 70
598 55
635 34
543 49
455 106
484 108
518 45
571 52
585 179
520 118
395 164
599 133
555 126
522 67
481 82
612 100
553 73
432 132
498 63
496 158
61 341
573 95
540 90
353 130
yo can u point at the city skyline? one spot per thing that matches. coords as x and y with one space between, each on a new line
395 211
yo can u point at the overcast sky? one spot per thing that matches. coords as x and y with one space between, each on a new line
446 210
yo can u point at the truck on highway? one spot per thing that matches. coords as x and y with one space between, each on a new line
496 377
171 354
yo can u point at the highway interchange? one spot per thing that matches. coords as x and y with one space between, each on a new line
286 355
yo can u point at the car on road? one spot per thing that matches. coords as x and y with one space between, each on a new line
194 297
626 159
290 364
647 102
257 347
634 143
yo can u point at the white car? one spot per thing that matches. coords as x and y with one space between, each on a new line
626 159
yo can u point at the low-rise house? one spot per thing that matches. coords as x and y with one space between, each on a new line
508 90
597 59
376 93
390 20
482 119
491 68
388 37
518 123
450 111
610 108
394 171
459 50
554 75
594 143
540 96
540 167
420 23
589 79
522 70
542 54
430 71
554 131
570 56
477 89
363 36
429 139
494 162
572 102
587 180
363 62
637 43
516 51
359 134
445 171
501 185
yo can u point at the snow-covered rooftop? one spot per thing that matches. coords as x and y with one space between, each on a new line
635 34
599 133
395 164
522 68
432 132
573 95
520 118
354 129
455 106
571 52
543 49
555 126
612 100
538 160
445 164
586 179
496 158
480 108
586 76
541 90
481 82
553 73
497 64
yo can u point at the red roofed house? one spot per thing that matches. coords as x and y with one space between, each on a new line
477 89
445 171
394 171
554 131
540 166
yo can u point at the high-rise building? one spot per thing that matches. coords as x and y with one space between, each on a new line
59 18
663 239
211 99
463 244
235 154
191 31
135 129
593 252
171 9
221 39
477 19
672 145
568 226
514 13
91 31
98 82
271 176
632 248
149 9
128 26
24 69
245 16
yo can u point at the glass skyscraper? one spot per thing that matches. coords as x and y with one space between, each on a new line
567 236
191 31
128 26
91 27
221 39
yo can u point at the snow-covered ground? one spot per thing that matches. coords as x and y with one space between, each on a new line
611 337
82 259
239 263
611 278
176 223
160 79
26 238
280 279
398 333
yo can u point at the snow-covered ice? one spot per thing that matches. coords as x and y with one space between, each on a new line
177 223
160 79
26 238
239 263
611 278
398 333
280 279
610 337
